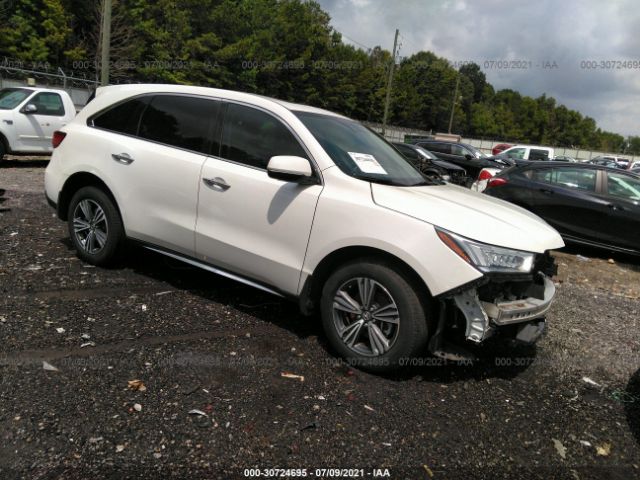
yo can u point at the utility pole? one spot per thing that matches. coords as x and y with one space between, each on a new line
455 99
389 84
106 43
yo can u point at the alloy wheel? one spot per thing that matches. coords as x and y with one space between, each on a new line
90 226
366 316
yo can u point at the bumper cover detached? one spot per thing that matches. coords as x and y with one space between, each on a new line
484 317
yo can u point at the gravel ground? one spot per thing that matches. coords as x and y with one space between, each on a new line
200 342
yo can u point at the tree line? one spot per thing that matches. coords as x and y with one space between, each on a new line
286 49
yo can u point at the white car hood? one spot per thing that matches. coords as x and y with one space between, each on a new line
470 214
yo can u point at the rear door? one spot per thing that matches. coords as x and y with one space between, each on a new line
623 220
249 223
566 198
153 150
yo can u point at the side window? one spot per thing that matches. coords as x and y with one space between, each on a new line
251 136
578 178
48 103
180 121
458 150
623 186
537 154
123 118
517 153
439 147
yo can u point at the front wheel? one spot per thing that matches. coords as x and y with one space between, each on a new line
95 227
373 316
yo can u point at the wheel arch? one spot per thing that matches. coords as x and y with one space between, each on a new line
312 289
74 183
5 143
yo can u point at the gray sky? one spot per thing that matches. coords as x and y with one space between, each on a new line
535 32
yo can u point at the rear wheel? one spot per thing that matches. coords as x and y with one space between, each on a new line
95 227
3 150
373 316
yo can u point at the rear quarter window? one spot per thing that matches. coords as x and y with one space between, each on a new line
123 118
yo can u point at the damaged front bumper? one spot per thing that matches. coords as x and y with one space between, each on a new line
488 308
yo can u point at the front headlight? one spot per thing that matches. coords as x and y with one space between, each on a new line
488 258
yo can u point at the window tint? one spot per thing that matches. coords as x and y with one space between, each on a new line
180 121
123 118
48 103
251 136
623 186
578 178
408 152
438 147
537 154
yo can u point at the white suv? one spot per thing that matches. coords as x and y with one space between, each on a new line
305 204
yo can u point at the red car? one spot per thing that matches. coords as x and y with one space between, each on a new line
500 147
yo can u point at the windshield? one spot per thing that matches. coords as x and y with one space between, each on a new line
12 97
360 152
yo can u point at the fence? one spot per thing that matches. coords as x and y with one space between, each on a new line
79 89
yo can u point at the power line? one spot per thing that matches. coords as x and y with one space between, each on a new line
356 42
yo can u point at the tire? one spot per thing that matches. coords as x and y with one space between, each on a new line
106 246
340 320
3 150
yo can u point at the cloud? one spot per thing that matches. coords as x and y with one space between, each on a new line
573 35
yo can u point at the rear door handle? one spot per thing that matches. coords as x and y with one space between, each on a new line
123 158
546 191
216 183
615 207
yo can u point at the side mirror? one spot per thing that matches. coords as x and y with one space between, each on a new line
30 108
290 168
468 156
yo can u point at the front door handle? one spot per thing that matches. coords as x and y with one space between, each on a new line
216 183
615 207
123 158
546 191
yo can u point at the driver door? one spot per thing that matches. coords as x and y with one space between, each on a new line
249 223
34 129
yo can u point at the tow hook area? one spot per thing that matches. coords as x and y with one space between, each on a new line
478 326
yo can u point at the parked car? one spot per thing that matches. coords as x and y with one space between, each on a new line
429 164
528 152
636 169
611 162
565 158
462 154
305 204
29 116
500 147
588 204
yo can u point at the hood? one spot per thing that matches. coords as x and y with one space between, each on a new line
470 214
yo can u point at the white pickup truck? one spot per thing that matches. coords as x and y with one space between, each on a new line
29 116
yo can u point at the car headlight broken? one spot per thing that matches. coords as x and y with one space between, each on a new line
488 258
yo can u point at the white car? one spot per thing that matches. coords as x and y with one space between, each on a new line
528 152
305 204
29 116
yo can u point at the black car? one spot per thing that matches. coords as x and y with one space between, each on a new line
586 203
429 164
606 162
462 154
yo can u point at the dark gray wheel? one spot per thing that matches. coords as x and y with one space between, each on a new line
95 226
373 316
3 150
